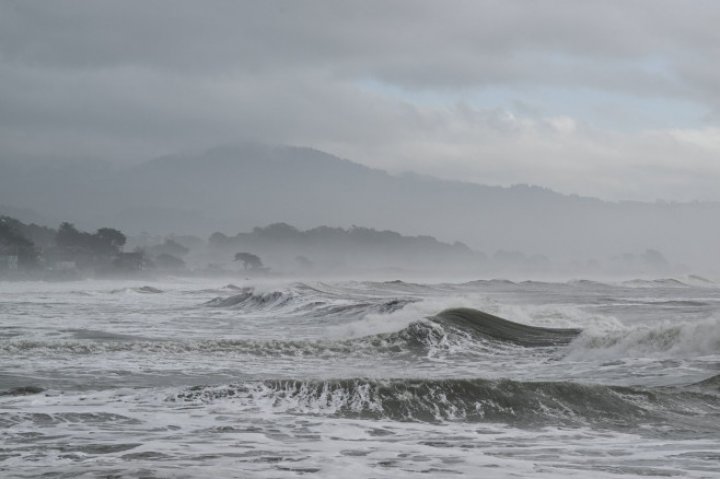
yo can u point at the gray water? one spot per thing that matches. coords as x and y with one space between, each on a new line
190 378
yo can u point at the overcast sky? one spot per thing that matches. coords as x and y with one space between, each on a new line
615 99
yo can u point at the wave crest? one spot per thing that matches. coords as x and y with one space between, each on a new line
666 339
479 323
460 330
303 299
474 400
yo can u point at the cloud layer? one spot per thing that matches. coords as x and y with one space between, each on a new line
617 99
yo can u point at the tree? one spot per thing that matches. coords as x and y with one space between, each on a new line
68 237
131 262
109 240
13 243
278 231
249 260
218 240
170 247
105 241
169 262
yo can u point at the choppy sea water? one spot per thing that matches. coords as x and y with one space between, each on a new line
360 379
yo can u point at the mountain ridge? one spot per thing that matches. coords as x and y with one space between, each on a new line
237 187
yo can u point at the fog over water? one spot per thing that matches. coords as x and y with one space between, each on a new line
234 189
388 239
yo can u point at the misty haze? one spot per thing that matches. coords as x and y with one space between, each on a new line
370 239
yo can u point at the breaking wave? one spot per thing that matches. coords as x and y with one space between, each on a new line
142 290
711 384
303 299
489 326
665 339
474 400
649 283
459 330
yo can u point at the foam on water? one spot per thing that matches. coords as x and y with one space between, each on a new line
663 339
360 379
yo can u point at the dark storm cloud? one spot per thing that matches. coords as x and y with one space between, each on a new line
131 79
412 43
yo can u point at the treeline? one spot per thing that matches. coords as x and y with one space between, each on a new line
325 248
21 244
352 237
30 248
68 252
284 247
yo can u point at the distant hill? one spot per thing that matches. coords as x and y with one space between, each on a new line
327 249
234 188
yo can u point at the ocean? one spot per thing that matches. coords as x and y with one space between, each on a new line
190 378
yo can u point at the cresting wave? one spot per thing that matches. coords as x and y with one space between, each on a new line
473 400
249 299
665 339
455 331
461 329
302 299
142 290
710 384
489 326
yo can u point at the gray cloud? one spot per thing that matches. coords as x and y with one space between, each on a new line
126 80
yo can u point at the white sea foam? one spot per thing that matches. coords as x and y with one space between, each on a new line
108 362
662 339
382 323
